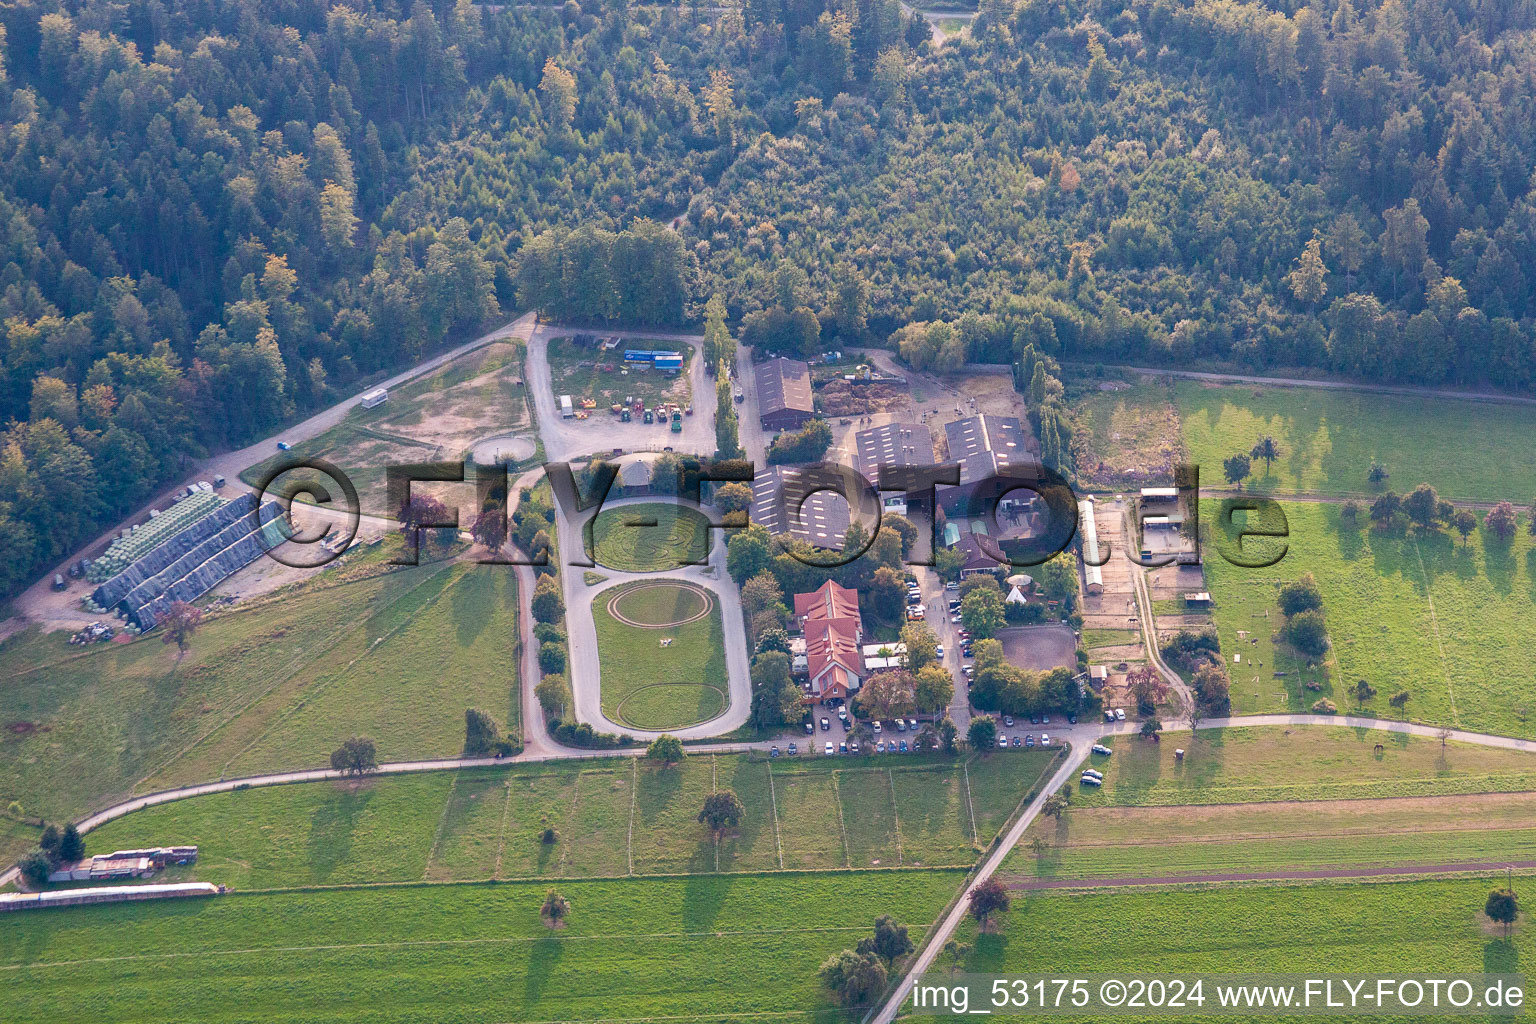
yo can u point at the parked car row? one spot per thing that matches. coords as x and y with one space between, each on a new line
1027 740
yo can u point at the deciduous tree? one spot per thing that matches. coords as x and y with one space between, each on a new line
989 897
722 811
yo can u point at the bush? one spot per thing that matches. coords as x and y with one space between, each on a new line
667 749
554 695
551 657
1300 596
1324 707
35 867
580 734
808 444
547 604
1307 632
982 733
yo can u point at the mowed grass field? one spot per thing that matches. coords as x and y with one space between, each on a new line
1328 928
660 678
396 656
624 538
1153 842
1277 763
1454 624
699 949
611 818
1328 438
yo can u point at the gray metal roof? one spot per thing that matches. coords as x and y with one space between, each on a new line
784 384
893 444
824 515
988 446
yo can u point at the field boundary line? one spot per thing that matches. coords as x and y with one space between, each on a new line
714 787
965 770
837 796
442 822
1434 620
1266 837
501 836
1361 872
634 798
773 801
565 853
895 817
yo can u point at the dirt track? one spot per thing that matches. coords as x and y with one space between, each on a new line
1310 874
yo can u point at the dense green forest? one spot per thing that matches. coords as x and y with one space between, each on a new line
219 214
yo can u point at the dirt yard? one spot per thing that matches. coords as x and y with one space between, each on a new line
1129 434
1038 648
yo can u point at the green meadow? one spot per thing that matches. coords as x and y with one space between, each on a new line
1452 623
396 655
1274 763
1153 842
611 817
1328 439
716 948
1418 928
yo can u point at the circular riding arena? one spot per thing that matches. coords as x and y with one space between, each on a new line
502 448
664 604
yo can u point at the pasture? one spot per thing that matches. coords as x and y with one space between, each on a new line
1324 928
1264 764
611 817
700 949
396 655
1451 623
1145 842
651 536
1328 439
656 676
